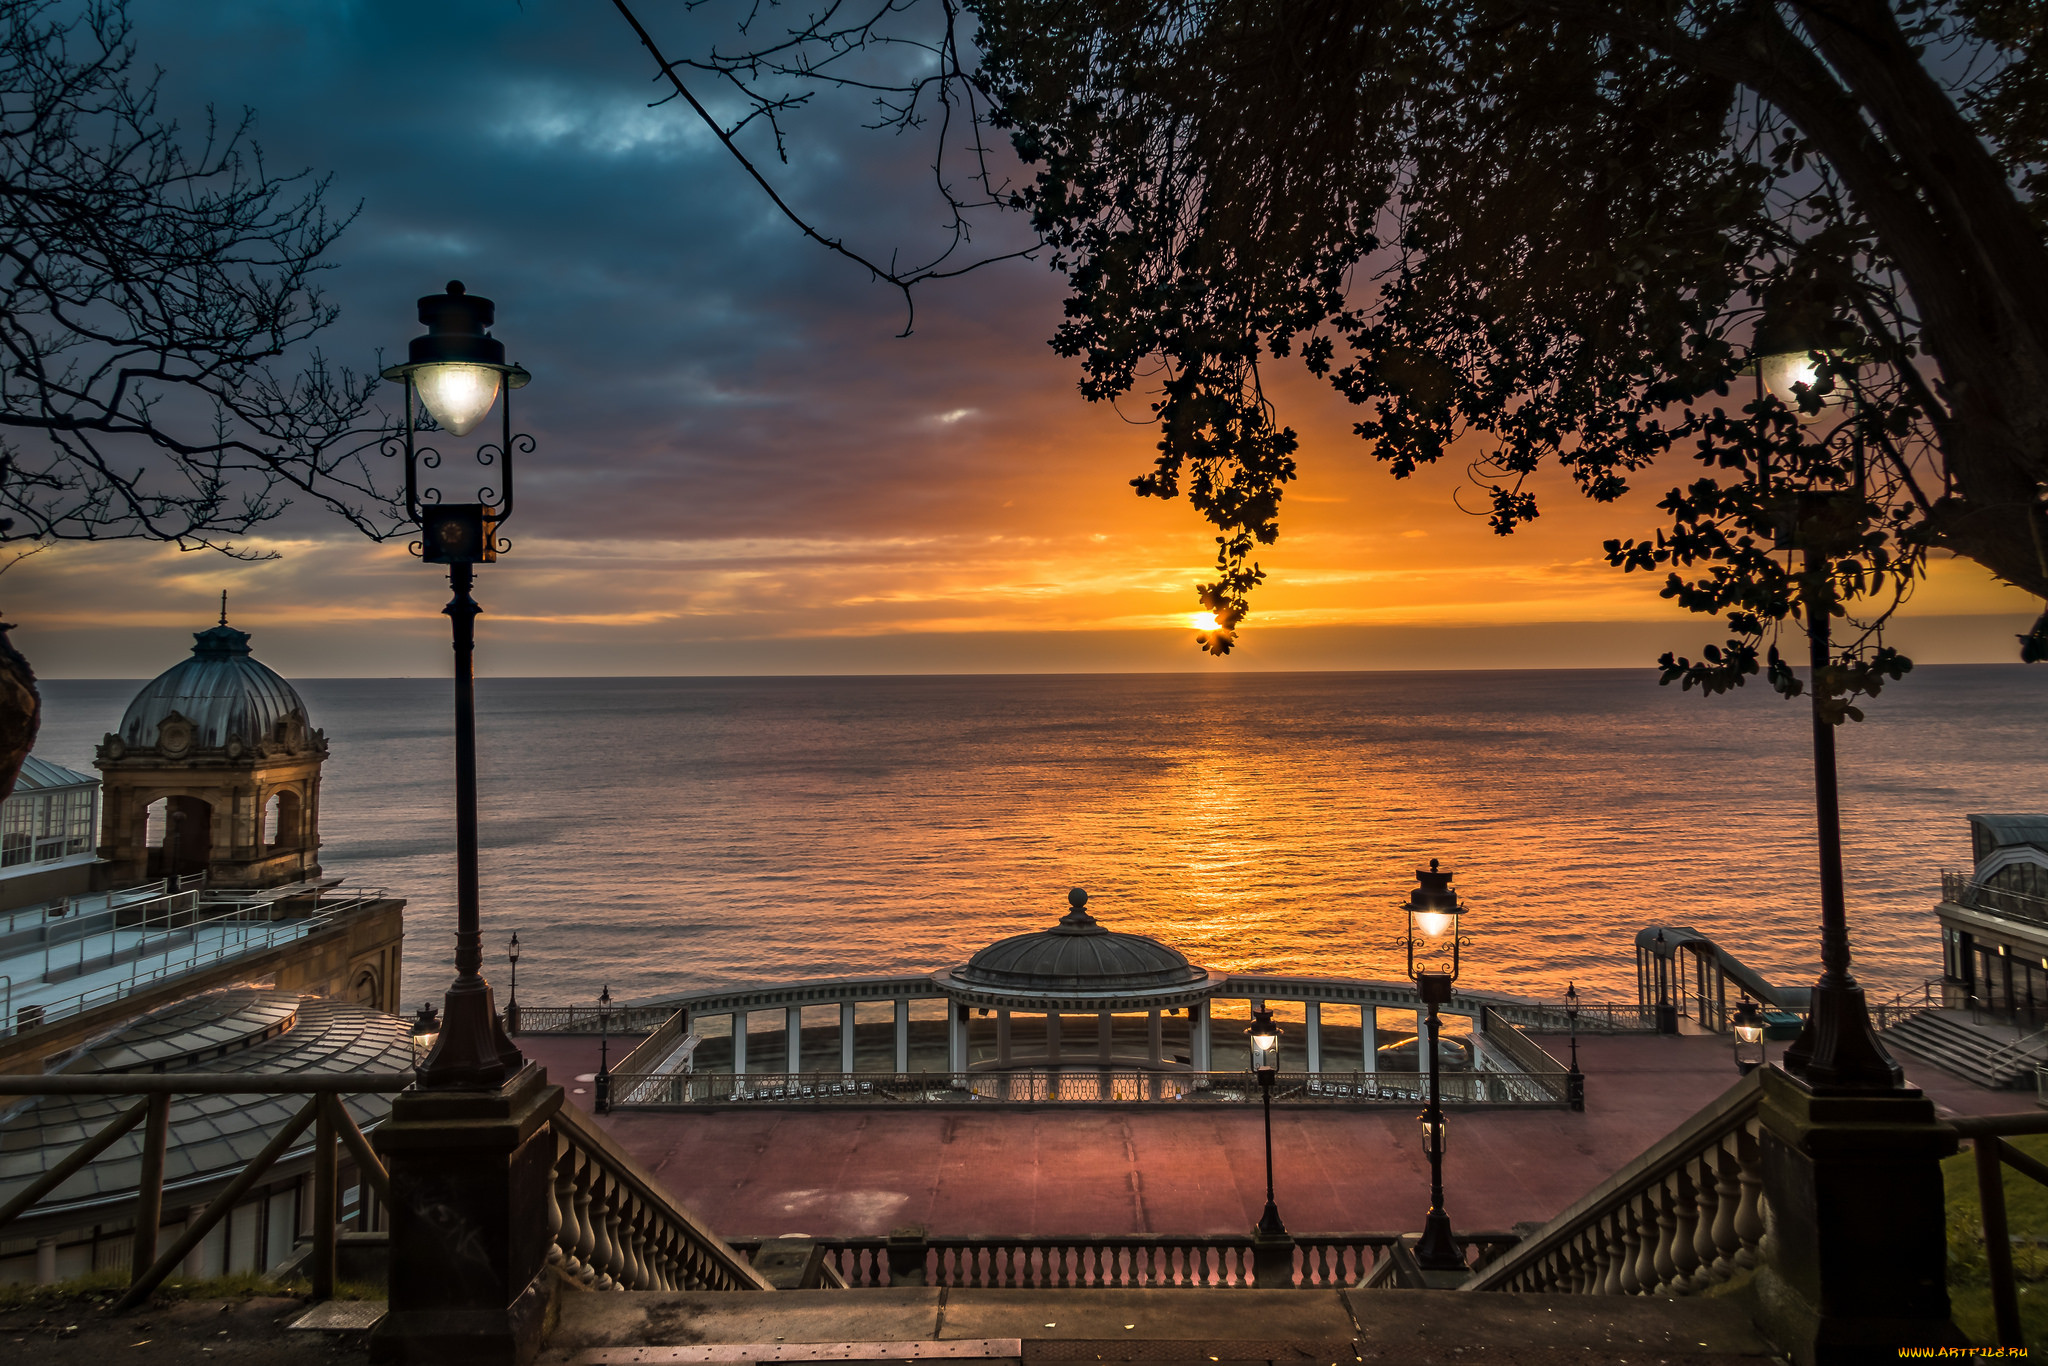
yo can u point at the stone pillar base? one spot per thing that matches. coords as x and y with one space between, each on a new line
1855 1249
1272 1261
470 1171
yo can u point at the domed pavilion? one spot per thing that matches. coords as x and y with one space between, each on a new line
220 746
1077 967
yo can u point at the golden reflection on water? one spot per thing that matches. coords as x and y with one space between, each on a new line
664 834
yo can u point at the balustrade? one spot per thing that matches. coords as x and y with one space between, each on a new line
1683 1217
1077 1085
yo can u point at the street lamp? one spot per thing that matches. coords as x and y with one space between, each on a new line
1433 912
602 1102
1574 1080
512 1005
426 1027
1838 1047
452 378
1748 1025
1264 1038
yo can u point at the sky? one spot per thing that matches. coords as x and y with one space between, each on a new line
741 467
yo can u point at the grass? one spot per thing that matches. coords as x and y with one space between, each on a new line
1969 1281
104 1287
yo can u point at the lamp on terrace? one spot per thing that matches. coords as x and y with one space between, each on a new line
602 1095
426 1028
1263 1038
512 1004
1574 1079
1748 1027
1433 918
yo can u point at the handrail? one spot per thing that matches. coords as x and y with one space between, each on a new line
652 1051
1686 1214
612 1227
580 1019
1964 890
334 1129
1078 1084
2026 1051
1502 1033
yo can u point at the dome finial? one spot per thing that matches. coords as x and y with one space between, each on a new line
1078 916
223 606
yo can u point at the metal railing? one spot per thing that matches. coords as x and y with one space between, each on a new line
611 1226
1077 1085
263 932
1154 1261
1964 890
582 1019
1686 1215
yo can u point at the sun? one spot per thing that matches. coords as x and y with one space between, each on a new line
1205 621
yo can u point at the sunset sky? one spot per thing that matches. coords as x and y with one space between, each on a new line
741 468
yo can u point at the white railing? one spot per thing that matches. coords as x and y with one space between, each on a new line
1078 1085
258 932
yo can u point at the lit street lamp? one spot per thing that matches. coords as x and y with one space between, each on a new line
1748 1026
1660 968
602 1101
1433 912
1574 1080
1264 1039
426 1027
452 378
1838 1046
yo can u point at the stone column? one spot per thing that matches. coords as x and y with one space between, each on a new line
1052 1039
1198 1036
46 1260
1105 1036
470 1171
956 1037
739 1043
902 1034
846 1031
1155 1039
1369 1037
1854 1248
793 1038
1313 1010
1003 1038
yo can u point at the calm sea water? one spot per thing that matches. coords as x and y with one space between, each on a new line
659 834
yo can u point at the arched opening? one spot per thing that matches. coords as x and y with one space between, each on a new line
281 821
365 990
179 835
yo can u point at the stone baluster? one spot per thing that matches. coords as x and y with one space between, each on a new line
1660 1202
1614 1251
586 1220
562 1211
1727 1201
1631 1246
618 1263
1749 1219
1707 1200
1685 1257
632 1227
1644 1207
604 1256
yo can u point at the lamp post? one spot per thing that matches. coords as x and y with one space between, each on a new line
1838 1047
602 1099
1748 1027
1433 912
453 376
512 1004
1263 1036
1574 1079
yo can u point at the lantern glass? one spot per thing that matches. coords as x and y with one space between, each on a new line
512 949
457 394
1265 1050
1432 1134
1434 924
1786 373
426 1028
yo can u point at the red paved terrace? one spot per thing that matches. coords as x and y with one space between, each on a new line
1172 1169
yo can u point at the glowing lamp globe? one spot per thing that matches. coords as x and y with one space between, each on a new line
1264 1039
1434 924
458 395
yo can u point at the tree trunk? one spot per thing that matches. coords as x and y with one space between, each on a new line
21 711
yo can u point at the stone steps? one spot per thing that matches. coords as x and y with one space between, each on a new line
1955 1045
1200 1327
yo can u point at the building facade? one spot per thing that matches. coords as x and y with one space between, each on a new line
46 835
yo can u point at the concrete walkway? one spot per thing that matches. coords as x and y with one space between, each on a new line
1174 1169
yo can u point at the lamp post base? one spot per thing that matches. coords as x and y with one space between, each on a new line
473 1049
1438 1249
1838 1049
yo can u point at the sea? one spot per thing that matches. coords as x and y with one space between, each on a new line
655 835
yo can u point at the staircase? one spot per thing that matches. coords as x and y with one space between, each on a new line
1994 1057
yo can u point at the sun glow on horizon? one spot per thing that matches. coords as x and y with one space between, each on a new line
1204 621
